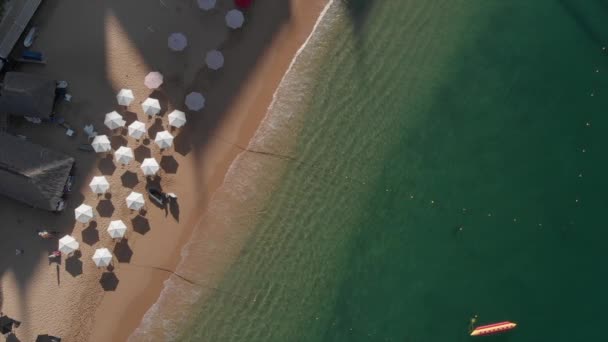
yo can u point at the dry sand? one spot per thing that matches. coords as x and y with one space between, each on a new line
100 47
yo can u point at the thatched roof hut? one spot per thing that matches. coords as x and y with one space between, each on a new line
33 174
25 94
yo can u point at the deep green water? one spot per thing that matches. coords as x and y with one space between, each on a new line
452 162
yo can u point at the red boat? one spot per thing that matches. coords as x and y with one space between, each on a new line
494 328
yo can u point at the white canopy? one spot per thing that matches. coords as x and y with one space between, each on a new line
101 143
68 244
114 120
123 155
99 184
195 101
206 5
177 118
153 80
214 59
164 139
137 129
117 229
84 213
102 257
135 200
150 167
177 41
235 19
151 106
125 97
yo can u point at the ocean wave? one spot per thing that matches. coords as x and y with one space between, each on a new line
204 261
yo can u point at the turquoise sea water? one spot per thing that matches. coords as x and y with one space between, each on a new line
451 162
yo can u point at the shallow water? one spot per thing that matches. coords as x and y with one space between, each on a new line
446 159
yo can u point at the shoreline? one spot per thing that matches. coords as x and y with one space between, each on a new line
254 99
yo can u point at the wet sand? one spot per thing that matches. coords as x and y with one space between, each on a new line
98 49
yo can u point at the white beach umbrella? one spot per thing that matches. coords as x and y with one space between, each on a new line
68 244
177 41
177 118
102 257
164 139
149 167
84 213
214 59
125 97
135 200
114 120
235 19
123 155
99 184
151 106
195 101
137 129
117 229
206 4
101 143
153 80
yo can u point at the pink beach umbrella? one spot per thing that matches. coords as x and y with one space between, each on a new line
177 41
235 19
195 101
206 5
153 80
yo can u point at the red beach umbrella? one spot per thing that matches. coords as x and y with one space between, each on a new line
243 3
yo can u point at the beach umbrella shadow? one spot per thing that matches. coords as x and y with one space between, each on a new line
109 281
129 179
140 224
162 99
156 127
169 164
129 117
105 208
90 235
181 143
123 251
73 264
106 166
117 141
141 152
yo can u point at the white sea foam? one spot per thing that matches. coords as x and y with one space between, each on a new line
242 185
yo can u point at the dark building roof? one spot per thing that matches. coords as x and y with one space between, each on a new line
25 94
31 173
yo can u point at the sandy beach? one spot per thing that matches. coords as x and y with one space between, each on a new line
100 48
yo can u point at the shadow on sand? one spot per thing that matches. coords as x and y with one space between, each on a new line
123 251
109 281
73 264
